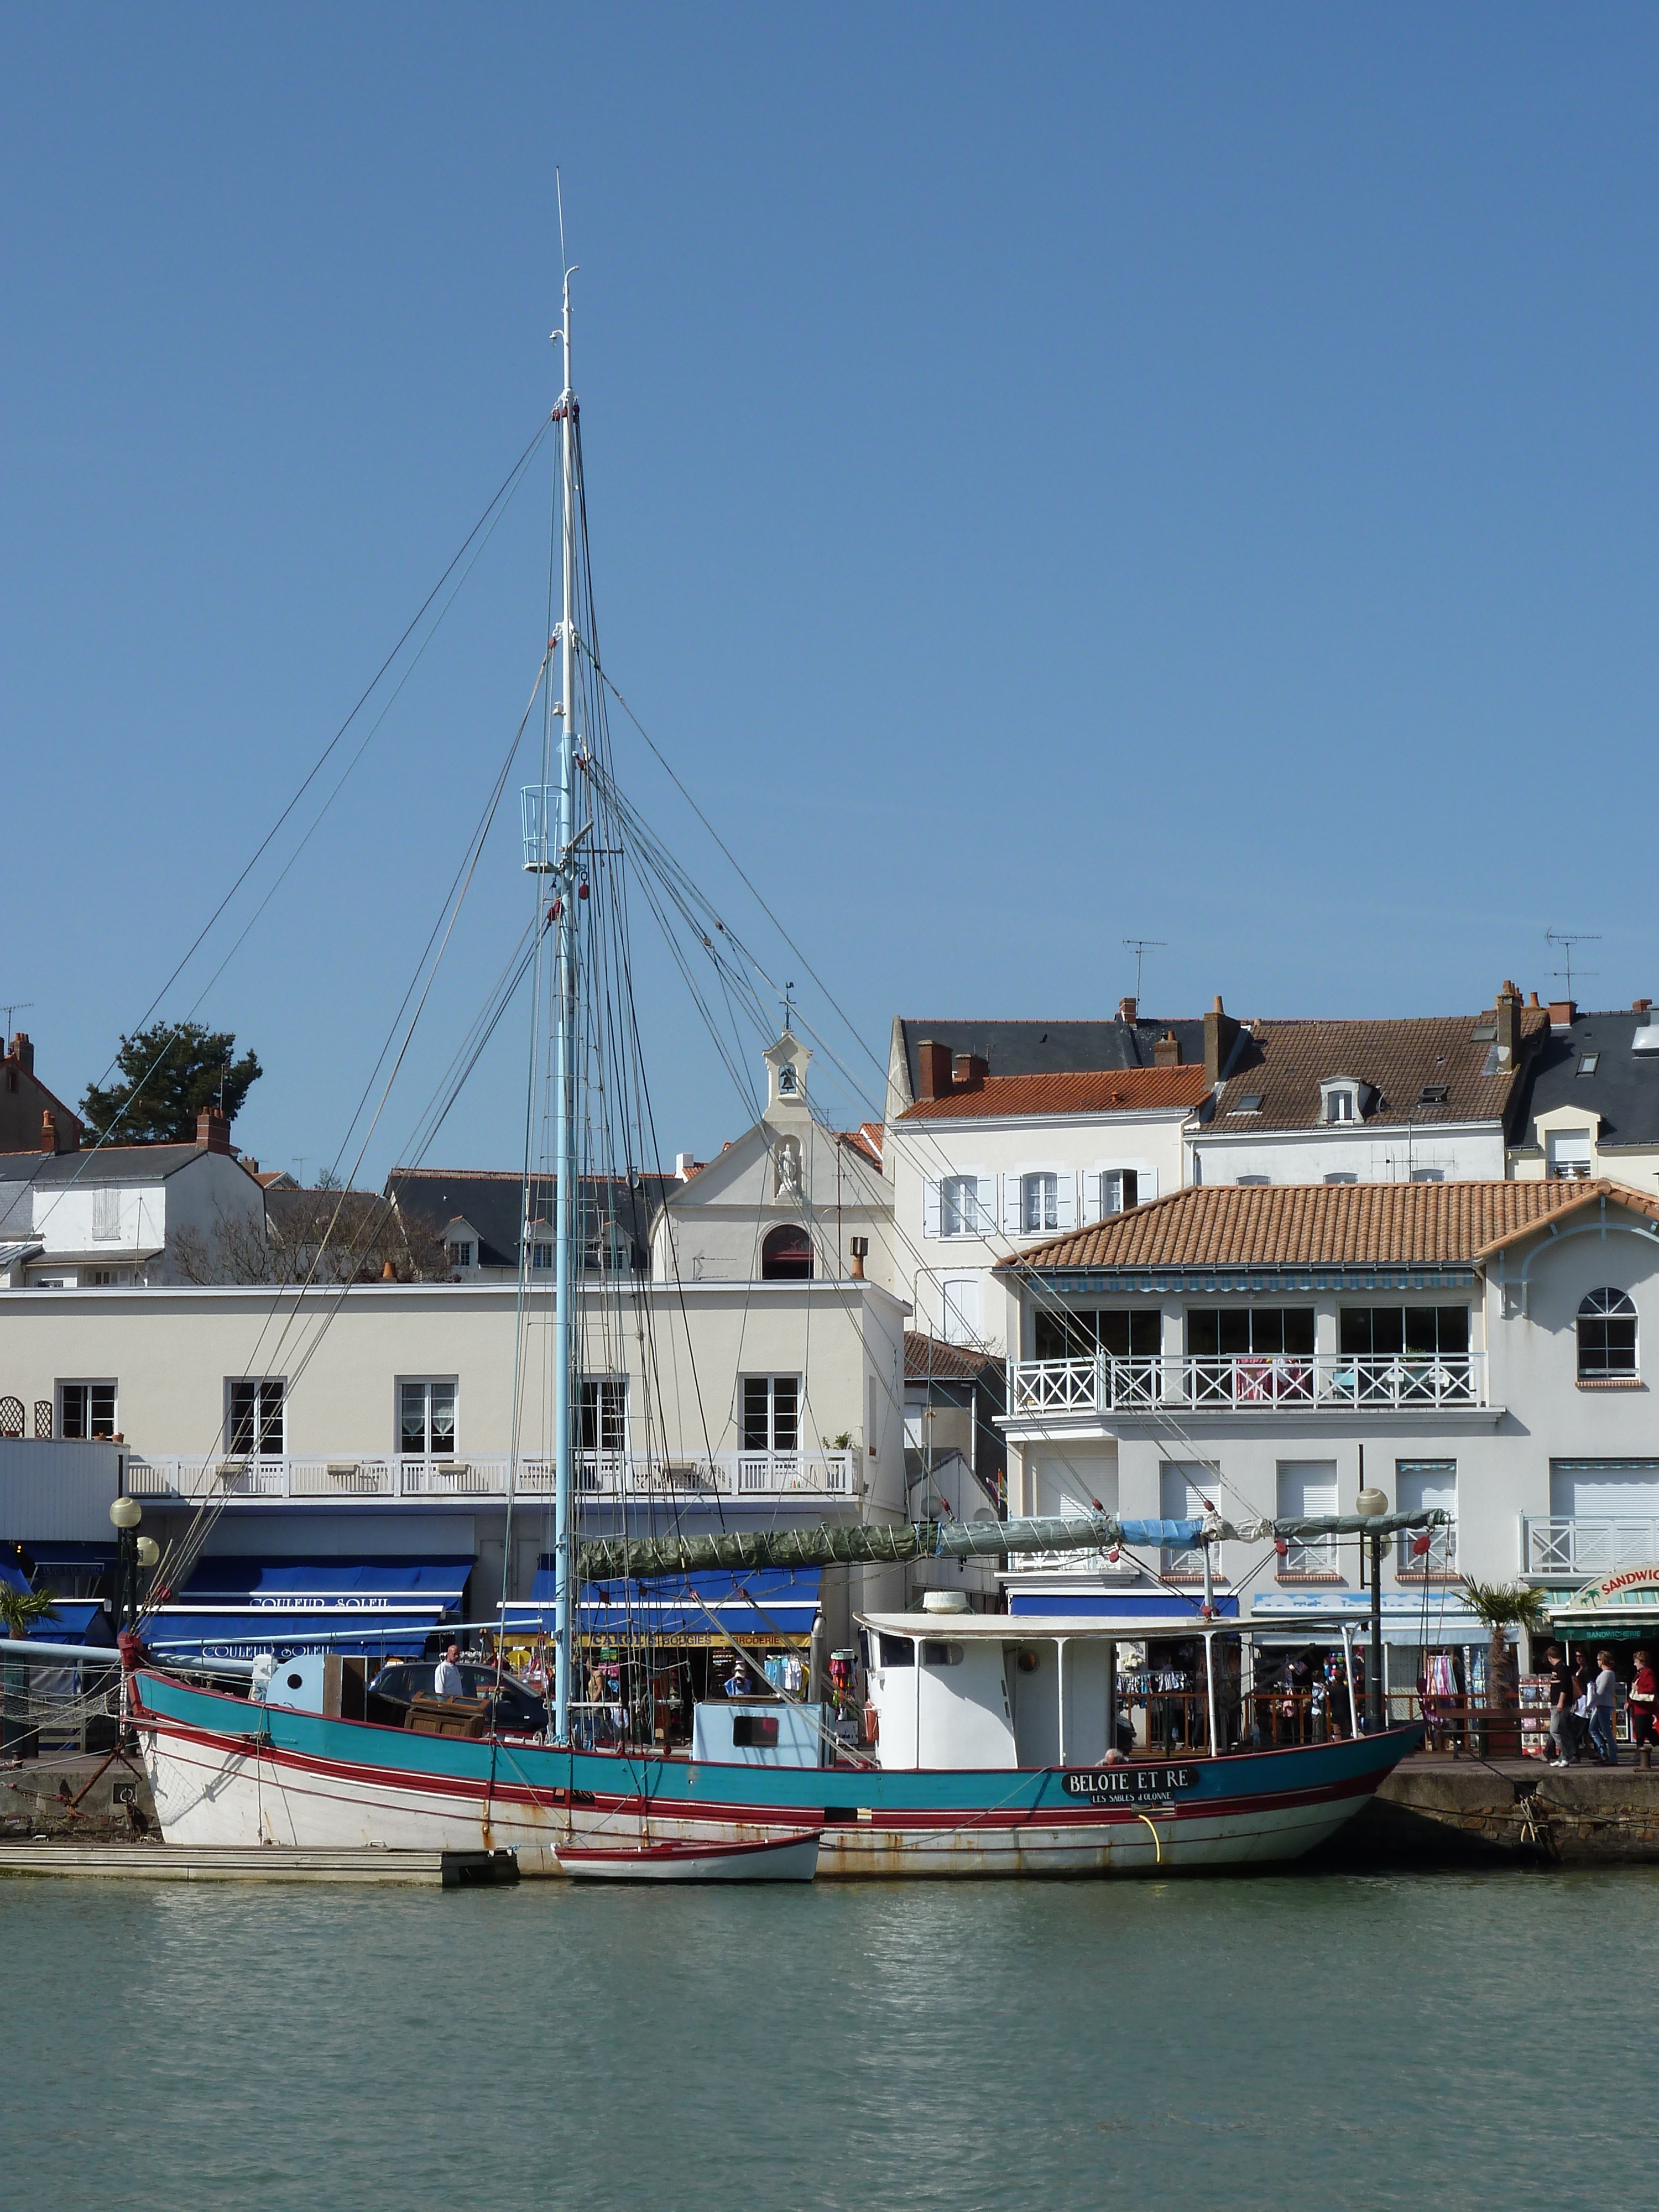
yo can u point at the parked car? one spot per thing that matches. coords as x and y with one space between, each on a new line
516 1710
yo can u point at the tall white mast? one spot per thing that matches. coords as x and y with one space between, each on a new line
564 1065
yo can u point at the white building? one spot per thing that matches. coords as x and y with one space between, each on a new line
1481 1345
114 1214
1310 1102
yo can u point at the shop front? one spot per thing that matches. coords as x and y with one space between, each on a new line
1310 1651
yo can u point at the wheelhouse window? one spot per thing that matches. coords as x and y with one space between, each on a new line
786 1254
255 1416
1607 1337
1250 1332
426 1419
1039 1207
1414 1332
958 1206
602 1423
771 1412
86 1410
1122 1333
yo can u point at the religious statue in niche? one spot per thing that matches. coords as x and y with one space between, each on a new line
786 1170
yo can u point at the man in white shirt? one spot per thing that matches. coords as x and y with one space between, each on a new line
446 1683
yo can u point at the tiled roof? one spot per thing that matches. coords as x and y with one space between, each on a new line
930 1358
1104 1090
1324 1224
1282 1064
866 1138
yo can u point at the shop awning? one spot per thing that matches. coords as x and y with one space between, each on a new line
80 1620
240 1608
1105 1604
1423 1621
770 1601
1624 1603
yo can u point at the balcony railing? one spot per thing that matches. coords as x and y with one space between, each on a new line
399 1475
1268 1381
1586 1545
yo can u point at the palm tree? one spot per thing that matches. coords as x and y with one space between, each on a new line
20 1609
1497 1606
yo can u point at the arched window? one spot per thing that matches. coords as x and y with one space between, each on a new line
786 1255
1607 1336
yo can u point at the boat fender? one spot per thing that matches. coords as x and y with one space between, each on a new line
872 1722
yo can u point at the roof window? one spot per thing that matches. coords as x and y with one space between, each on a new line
1587 1062
1434 1094
1250 1102
1484 1033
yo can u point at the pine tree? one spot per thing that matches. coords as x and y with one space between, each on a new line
168 1077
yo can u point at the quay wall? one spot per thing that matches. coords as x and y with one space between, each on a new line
1467 1813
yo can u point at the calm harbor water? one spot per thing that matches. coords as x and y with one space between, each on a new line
1291 2042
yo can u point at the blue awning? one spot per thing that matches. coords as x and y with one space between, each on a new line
770 1601
80 1620
239 1607
1125 1604
13 1578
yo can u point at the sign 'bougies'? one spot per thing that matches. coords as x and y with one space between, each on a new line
1130 1786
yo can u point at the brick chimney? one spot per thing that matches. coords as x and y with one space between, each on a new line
1220 1036
1166 1053
22 1051
933 1070
213 1131
1564 1012
49 1131
1125 1009
1509 1025
1642 1006
970 1071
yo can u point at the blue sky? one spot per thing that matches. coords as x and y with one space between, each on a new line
1056 476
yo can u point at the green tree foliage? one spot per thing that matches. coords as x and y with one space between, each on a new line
21 1610
166 1080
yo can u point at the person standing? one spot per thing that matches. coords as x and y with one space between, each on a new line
446 1683
1564 1692
1644 1701
1604 1704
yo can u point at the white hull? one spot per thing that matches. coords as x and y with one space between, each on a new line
787 1858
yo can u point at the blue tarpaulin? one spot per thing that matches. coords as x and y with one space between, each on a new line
768 1601
239 1607
80 1620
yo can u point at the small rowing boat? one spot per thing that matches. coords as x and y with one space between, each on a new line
792 1856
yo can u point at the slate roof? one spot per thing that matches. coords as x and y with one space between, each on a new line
1101 1092
1624 1090
1051 1047
1283 1063
1324 1224
114 1163
490 1198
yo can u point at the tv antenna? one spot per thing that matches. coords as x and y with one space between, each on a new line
299 1159
1140 946
1567 939
17 1005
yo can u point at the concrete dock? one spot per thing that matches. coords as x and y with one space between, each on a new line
1435 1810
146 1862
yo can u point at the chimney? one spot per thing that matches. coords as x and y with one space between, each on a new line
213 1130
933 1070
22 1051
1509 1025
1220 1036
49 1131
969 1072
1125 1009
685 1166
389 1273
1564 1013
1642 1006
1166 1053
860 1248
1531 1002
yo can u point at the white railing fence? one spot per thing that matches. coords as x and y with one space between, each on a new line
1586 1545
1246 1383
399 1475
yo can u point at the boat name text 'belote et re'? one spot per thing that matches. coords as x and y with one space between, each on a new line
1119 1783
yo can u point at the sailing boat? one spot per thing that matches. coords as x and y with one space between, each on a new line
995 1747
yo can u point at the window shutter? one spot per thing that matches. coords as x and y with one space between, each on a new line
987 1205
1145 1185
1066 1200
1013 1219
1092 1209
930 1207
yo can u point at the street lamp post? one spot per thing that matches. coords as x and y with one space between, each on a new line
1373 1503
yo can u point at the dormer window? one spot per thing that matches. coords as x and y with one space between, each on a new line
1339 1106
1434 1094
1340 1099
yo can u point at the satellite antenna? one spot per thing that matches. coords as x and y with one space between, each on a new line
1140 946
1567 939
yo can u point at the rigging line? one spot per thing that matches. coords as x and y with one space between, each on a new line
196 1533
108 1136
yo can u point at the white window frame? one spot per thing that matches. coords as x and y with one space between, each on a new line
262 1387
427 1384
983 1223
88 1384
460 1252
797 1383
607 1396
968 1326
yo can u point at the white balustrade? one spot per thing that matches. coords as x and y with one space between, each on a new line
1586 1545
1248 1383
594 1475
